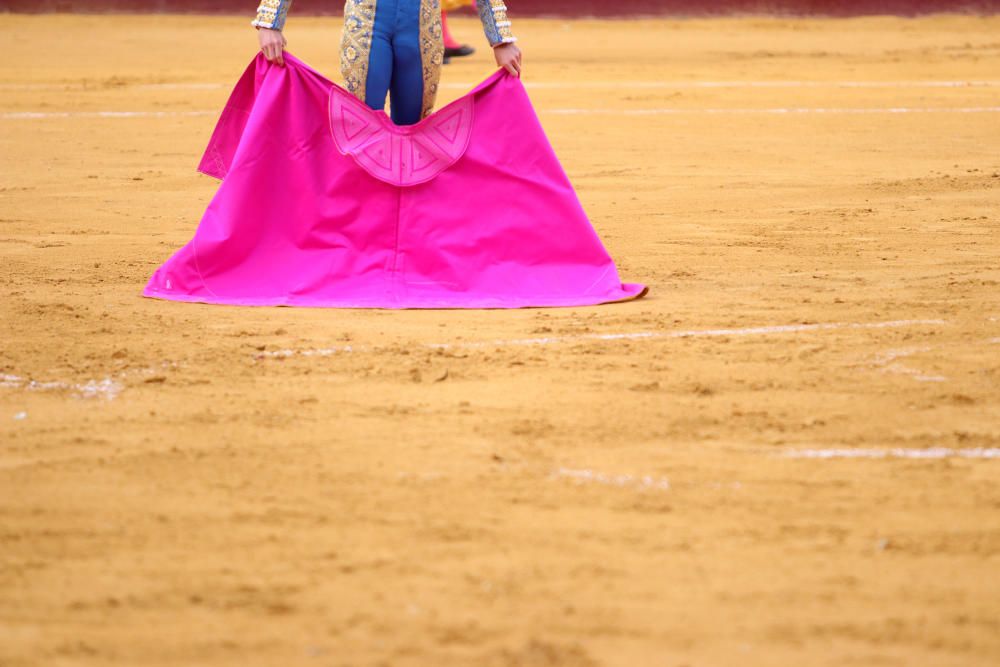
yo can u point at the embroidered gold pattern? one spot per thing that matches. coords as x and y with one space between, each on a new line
431 51
499 10
272 14
356 45
493 14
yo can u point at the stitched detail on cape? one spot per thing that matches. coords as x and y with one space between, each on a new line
401 158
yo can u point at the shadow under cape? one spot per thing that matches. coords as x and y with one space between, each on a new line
325 202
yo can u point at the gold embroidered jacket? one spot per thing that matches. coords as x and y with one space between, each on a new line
359 23
493 13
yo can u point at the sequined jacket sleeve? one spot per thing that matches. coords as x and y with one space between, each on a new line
271 14
493 14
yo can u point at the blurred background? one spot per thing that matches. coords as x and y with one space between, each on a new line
786 454
545 7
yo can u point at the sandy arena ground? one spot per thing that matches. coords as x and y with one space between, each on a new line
785 455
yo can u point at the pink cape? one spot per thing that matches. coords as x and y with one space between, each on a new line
325 202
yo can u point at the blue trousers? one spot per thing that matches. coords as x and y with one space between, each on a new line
395 67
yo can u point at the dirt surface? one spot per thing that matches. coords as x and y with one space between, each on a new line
786 454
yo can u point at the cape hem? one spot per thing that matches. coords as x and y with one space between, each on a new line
630 292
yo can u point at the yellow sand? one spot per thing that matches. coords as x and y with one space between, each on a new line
574 501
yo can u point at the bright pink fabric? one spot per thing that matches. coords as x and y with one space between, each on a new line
325 202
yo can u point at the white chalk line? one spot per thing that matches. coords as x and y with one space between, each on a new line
673 85
43 115
100 88
771 111
697 333
636 335
179 85
587 477
541 85
608 479
933 453
316 352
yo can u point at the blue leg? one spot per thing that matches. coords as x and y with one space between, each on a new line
380 60
407 87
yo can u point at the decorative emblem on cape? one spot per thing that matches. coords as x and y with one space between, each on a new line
400 155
